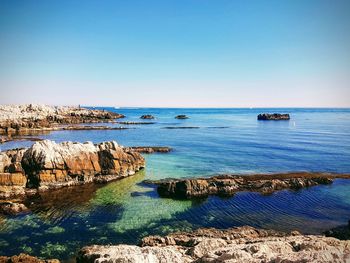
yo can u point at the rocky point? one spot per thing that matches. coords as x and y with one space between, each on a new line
46 165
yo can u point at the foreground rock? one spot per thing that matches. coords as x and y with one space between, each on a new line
147 117
181 117
242 244
151 149
46 165
24 258
227 185
273 117
21 118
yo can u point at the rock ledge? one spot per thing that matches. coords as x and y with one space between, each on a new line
242 244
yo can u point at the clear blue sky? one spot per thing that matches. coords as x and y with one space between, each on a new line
185 53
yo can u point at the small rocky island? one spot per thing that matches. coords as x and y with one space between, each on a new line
228 185
49 165
273 117
182 117
147 117
241 244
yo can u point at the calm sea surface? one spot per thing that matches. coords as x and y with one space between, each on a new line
224 141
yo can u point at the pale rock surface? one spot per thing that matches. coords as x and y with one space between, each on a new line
46 165
242 244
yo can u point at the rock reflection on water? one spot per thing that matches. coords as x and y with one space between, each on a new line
64 220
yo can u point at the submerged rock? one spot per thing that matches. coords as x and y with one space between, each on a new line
227 185
273 117
47 165
181 117
24 258
12 208
242 244
147 117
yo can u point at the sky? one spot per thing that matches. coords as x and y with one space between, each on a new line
183 53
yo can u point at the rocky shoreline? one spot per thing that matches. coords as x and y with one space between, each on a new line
23 118
236 245
241 244
228 185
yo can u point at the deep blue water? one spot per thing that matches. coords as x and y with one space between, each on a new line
226 141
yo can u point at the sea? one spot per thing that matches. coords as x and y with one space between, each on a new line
210 142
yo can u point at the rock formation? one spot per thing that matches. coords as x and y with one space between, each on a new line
273 117
24 258
151 149
242 244
227 185
20 118
181 117
147 117
47 164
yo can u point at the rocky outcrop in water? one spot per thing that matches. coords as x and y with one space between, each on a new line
151 149
273 117
147 117
227 185
21 118
181 117
24 258
46 165
242 244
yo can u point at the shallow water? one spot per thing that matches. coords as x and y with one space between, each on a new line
227 141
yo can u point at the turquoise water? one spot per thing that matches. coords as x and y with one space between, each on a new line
226 141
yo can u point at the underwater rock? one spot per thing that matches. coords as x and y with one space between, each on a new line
147 117
46 165
24 258
227 185
241 244
273 117
12 208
